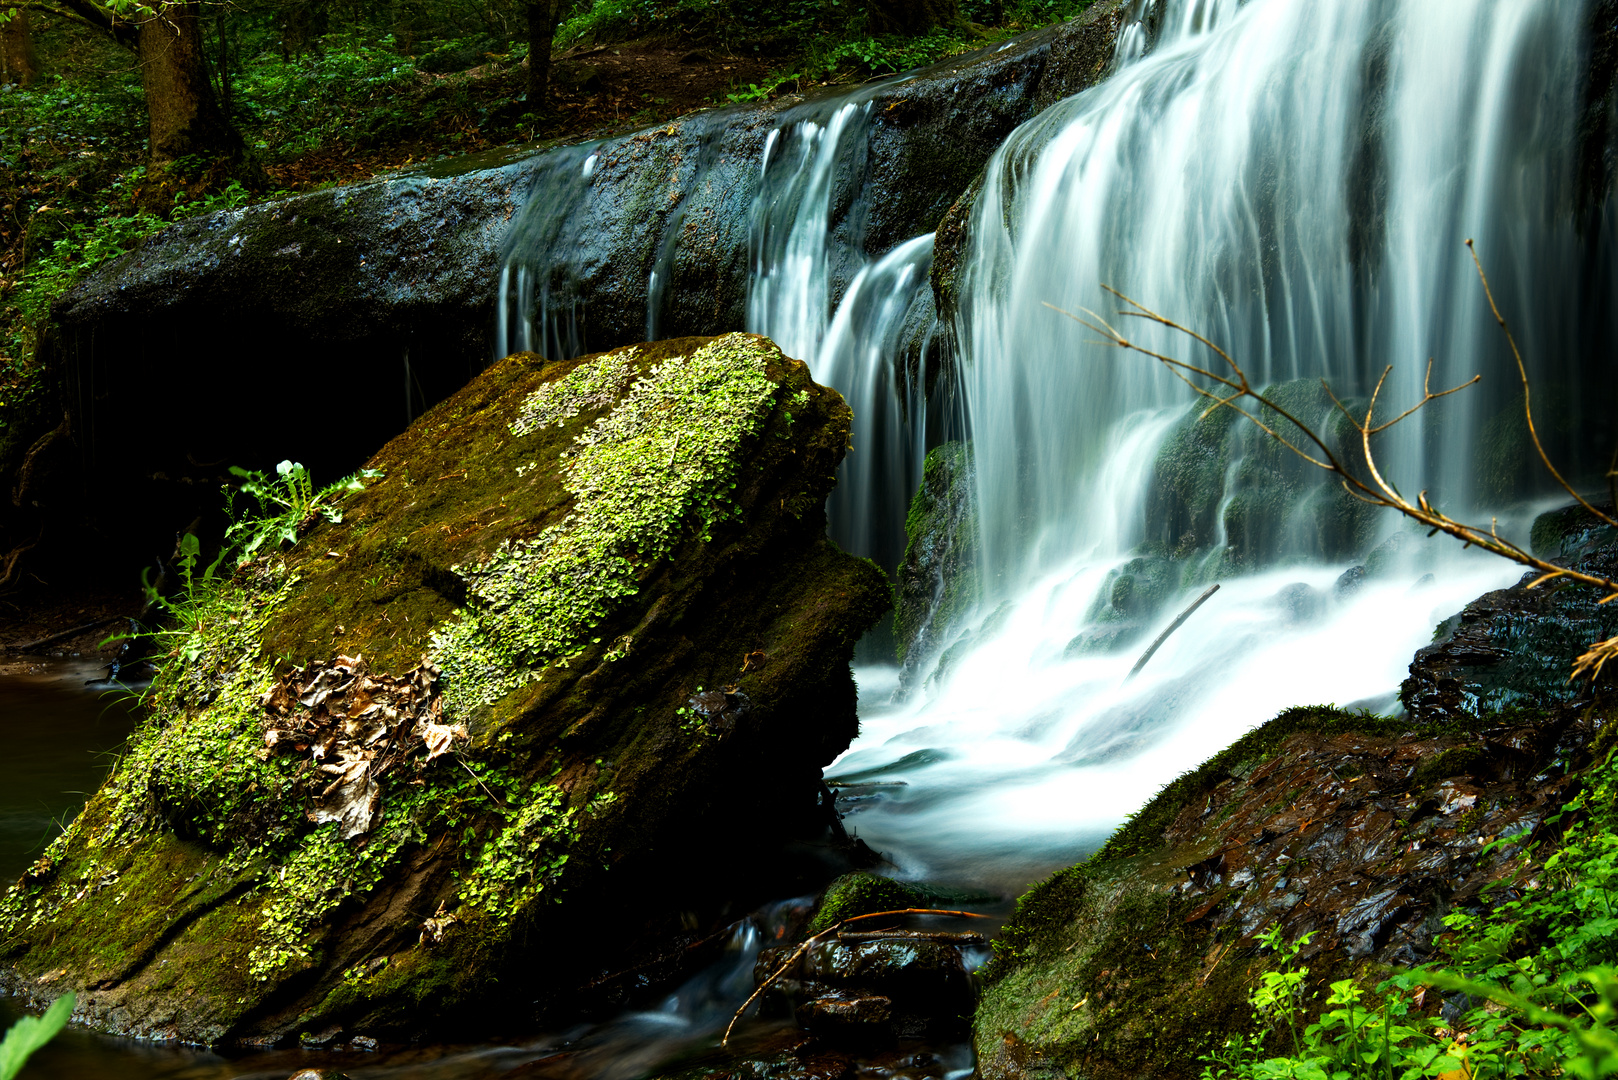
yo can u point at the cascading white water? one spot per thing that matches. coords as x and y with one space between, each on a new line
1295 178
860 339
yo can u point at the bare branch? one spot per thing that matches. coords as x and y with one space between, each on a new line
1377 490
1527 404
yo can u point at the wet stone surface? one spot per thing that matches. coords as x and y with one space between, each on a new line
1512 646
1366 840
902 984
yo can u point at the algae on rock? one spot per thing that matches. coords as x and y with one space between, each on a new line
453 727
938 579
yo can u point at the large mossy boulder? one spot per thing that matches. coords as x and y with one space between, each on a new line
582 638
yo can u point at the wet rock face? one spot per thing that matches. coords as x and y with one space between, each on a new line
874 987
1218 478
937 578
1136 963
456 760
1514 646
384 293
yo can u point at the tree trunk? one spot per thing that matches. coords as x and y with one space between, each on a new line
17 62
185 117
543 15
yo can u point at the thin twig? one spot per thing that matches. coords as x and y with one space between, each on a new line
832 929
1527 406
1173 626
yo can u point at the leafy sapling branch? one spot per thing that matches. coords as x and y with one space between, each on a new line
32 1032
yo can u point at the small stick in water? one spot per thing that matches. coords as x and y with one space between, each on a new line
801 949
1173 626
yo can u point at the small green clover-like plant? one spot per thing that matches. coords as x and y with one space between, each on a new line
32 1032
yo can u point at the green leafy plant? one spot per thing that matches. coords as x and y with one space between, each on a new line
32 1032
285 505
1537 973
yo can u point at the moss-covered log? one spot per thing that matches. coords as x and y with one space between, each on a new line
428 767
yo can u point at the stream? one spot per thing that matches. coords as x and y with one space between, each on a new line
1295 177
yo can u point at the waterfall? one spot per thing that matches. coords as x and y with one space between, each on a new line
1295 179
537 308
863 326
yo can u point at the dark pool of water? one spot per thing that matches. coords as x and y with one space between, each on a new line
60 738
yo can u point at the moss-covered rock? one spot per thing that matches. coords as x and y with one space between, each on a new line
862 893
1570 531
1217 481
1347 826
938 577
419 769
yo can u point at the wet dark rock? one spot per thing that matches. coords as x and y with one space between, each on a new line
1570 531
1217 479
937 580
382 800
393 282
923 981
847 1014
1349 581
720 709
1516 645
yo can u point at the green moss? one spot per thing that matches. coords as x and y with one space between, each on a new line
526 858
642 476
1188 480
323 871
862 894
938 575
1456 762
1121 984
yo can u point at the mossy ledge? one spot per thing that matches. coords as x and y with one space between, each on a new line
604 586
1361 829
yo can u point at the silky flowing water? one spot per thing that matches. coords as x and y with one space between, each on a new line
1293 177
